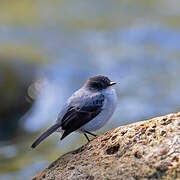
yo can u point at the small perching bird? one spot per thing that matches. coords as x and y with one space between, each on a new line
88 109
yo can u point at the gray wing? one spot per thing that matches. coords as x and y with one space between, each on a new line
78 111
81 113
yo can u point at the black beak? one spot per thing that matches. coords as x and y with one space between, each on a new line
112 83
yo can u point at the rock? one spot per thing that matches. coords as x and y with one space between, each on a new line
143 150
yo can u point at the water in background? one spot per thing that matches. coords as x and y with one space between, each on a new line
49 49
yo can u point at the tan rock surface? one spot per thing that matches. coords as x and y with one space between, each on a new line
143 150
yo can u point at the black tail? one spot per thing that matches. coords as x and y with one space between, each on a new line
45 134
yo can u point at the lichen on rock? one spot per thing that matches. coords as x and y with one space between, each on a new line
143 150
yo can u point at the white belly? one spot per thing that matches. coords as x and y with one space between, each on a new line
107 110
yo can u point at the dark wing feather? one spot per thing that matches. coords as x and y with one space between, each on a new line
78 116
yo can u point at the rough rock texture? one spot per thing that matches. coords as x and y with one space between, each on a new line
143 150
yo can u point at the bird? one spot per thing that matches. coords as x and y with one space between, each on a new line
87 110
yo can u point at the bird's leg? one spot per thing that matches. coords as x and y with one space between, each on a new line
90 133
86 137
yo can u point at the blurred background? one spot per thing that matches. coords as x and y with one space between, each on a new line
48 49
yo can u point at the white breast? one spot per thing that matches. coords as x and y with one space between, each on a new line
108 108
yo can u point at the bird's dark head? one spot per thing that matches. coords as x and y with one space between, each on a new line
99 82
